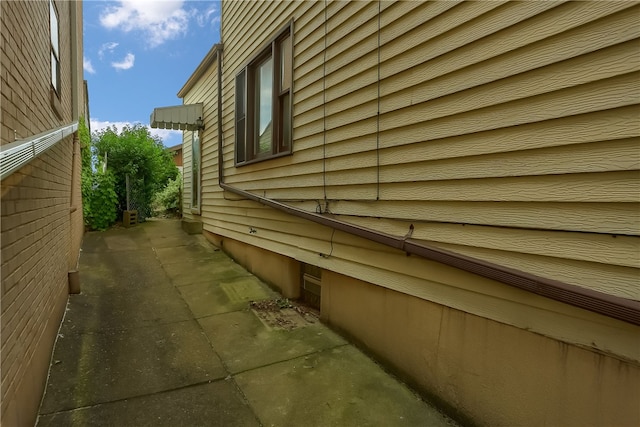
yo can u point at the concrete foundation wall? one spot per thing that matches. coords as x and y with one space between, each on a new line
491 373
281 272
481 371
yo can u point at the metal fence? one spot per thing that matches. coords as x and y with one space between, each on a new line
136 200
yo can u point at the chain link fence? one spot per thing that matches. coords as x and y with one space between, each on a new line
136 200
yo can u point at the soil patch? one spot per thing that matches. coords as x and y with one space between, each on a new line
280 313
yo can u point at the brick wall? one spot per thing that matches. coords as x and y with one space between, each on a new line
41 213
26 69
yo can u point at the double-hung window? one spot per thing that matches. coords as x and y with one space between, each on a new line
264 102
55 48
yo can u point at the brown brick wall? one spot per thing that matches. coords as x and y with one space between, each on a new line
25 65
41 231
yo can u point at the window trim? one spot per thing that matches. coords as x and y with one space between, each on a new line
54 50
196 178
244 150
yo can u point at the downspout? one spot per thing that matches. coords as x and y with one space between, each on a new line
598 302
220 145
74 264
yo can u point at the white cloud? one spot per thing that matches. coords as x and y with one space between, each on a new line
126 63
109 46
209 16
158 20
169 137
88 67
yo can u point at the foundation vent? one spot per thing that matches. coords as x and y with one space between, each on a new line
310 288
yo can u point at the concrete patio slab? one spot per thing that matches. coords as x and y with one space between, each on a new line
126 310
124 267
213 404
163 334
200 271
262 345
355 392
173 241
189 253
217 297
93 368
118 239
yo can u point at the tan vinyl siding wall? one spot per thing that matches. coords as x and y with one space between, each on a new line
507 131
186 174
205 92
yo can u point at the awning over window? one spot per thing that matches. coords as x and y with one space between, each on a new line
179 117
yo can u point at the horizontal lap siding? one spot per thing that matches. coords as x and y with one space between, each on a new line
374 263
186 174
507 131
529 105
205 92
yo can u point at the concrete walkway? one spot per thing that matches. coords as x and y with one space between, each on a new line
163 335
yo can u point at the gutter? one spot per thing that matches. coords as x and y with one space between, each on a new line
220 158
15 155
598 302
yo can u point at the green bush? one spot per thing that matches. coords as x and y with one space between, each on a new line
99 200
135 152
170 198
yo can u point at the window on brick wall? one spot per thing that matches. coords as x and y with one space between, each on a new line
264 102
55 47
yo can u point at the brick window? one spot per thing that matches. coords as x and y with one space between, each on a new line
264 102
55 48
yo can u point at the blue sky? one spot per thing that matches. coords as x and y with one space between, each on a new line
139 53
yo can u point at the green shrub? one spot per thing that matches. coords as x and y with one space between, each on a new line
100 200
135 152
169 199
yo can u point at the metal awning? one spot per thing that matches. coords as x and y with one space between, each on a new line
179 117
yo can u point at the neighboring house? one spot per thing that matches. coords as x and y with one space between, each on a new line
457 182
43 96
176 153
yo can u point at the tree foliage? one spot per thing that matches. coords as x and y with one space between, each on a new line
135 152
169 199
99 207
85 144
98 190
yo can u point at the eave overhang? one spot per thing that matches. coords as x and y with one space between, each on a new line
179 117
208 60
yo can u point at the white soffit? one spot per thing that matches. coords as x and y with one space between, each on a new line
179 117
